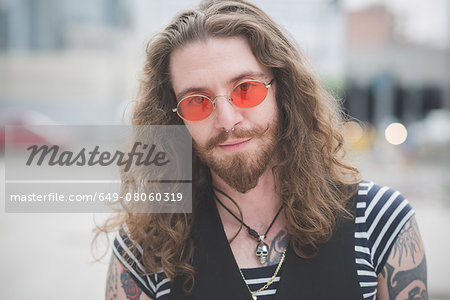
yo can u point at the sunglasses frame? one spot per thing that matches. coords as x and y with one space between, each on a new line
228 97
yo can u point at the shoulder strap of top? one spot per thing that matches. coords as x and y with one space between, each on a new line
381 214
121 247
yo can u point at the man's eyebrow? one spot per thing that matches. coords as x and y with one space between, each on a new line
233 80
181 94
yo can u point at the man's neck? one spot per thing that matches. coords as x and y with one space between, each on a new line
259 205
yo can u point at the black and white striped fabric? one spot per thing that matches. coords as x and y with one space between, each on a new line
256 278
381 213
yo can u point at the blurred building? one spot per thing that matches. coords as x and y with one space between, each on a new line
49 25
60 58
389 77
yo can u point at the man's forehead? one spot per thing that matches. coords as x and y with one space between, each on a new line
222 60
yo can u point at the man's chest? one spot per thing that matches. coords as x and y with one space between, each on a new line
247 250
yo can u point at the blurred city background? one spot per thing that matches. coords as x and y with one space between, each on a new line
79 62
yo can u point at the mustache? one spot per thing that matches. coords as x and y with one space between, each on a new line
223 136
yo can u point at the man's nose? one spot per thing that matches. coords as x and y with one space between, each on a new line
227 115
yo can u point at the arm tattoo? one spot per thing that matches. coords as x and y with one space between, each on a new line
405 282
411 284
129 286
277 246
408 242
111 282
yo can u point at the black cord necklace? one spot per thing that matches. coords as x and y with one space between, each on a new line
262 250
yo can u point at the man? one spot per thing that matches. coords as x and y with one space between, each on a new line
277 214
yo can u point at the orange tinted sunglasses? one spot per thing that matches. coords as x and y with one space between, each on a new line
246 94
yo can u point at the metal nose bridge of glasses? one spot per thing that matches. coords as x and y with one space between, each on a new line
228 97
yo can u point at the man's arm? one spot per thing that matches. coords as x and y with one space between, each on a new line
120 285
404 275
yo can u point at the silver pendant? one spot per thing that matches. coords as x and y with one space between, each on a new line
254 297
262 250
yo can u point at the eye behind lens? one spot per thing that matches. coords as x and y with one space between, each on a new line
249 94
195 108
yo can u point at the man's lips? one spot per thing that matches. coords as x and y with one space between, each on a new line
236 144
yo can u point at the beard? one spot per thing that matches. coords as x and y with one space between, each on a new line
241 170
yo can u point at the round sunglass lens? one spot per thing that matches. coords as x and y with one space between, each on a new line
195 108
249 94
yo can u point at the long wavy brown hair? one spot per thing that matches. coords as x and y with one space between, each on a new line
315 179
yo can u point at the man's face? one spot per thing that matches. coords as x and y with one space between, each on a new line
214 67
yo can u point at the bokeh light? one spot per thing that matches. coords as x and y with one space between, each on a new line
396 133
352 131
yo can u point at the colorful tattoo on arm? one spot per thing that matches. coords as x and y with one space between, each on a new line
131 289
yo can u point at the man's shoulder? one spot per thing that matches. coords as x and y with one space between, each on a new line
130 254
379 205
381 212
370 193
